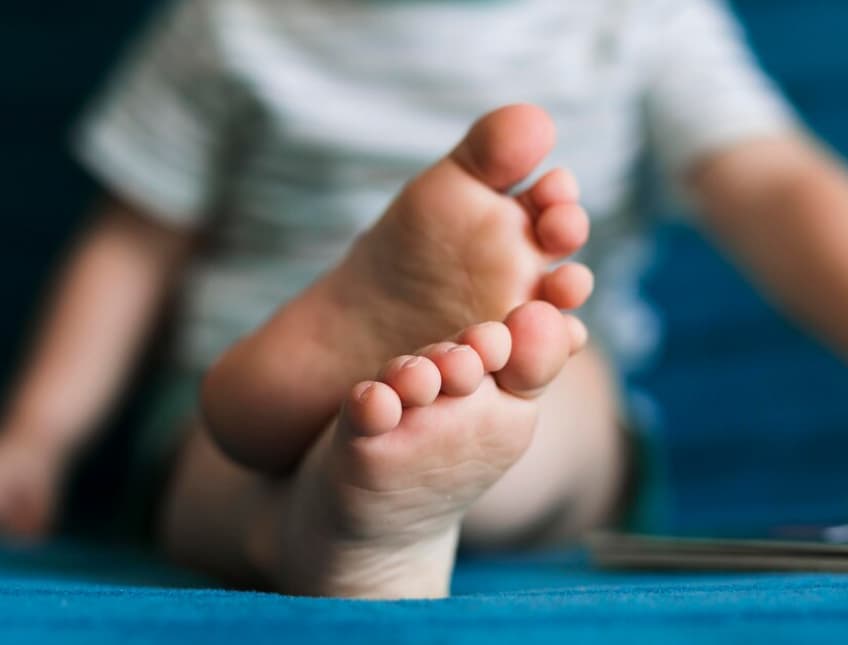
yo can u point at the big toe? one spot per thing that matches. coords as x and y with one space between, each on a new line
541 345
504 146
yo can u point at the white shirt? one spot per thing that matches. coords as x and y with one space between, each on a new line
285 127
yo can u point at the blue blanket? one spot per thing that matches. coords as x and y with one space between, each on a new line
71 594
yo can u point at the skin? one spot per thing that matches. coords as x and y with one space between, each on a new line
416 561
104 304
780 207
417 276
375 508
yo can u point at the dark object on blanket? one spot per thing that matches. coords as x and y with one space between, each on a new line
784 550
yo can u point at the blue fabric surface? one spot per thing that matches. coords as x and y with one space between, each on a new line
80 595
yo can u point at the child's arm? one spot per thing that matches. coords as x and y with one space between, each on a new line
781 208
107 298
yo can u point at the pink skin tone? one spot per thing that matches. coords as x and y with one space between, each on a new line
453 249
375 511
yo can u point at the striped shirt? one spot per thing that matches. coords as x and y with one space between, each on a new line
283 129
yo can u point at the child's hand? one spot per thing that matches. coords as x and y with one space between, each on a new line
30 476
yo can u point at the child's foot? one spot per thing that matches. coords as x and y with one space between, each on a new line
375 509
453 249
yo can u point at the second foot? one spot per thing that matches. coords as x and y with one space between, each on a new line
375 509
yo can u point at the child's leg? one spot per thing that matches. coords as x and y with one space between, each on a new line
229 521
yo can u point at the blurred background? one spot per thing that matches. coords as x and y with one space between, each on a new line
753 415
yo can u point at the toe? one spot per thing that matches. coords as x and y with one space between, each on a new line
578 335
460 366
372 409
492 342
557 186
562 229
568 286
540 347
504 146
415 379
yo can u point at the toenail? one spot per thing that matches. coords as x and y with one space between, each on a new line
411 362
363 396
460 348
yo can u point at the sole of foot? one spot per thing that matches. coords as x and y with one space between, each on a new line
455 248
375 509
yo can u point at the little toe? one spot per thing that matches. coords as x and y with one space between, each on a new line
461 367
492 342
415 379
562 229
578 335
568 286
372 409
540 348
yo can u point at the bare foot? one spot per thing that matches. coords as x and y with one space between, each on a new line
452 250
375 510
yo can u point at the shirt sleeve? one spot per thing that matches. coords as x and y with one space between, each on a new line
705 90
155 135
